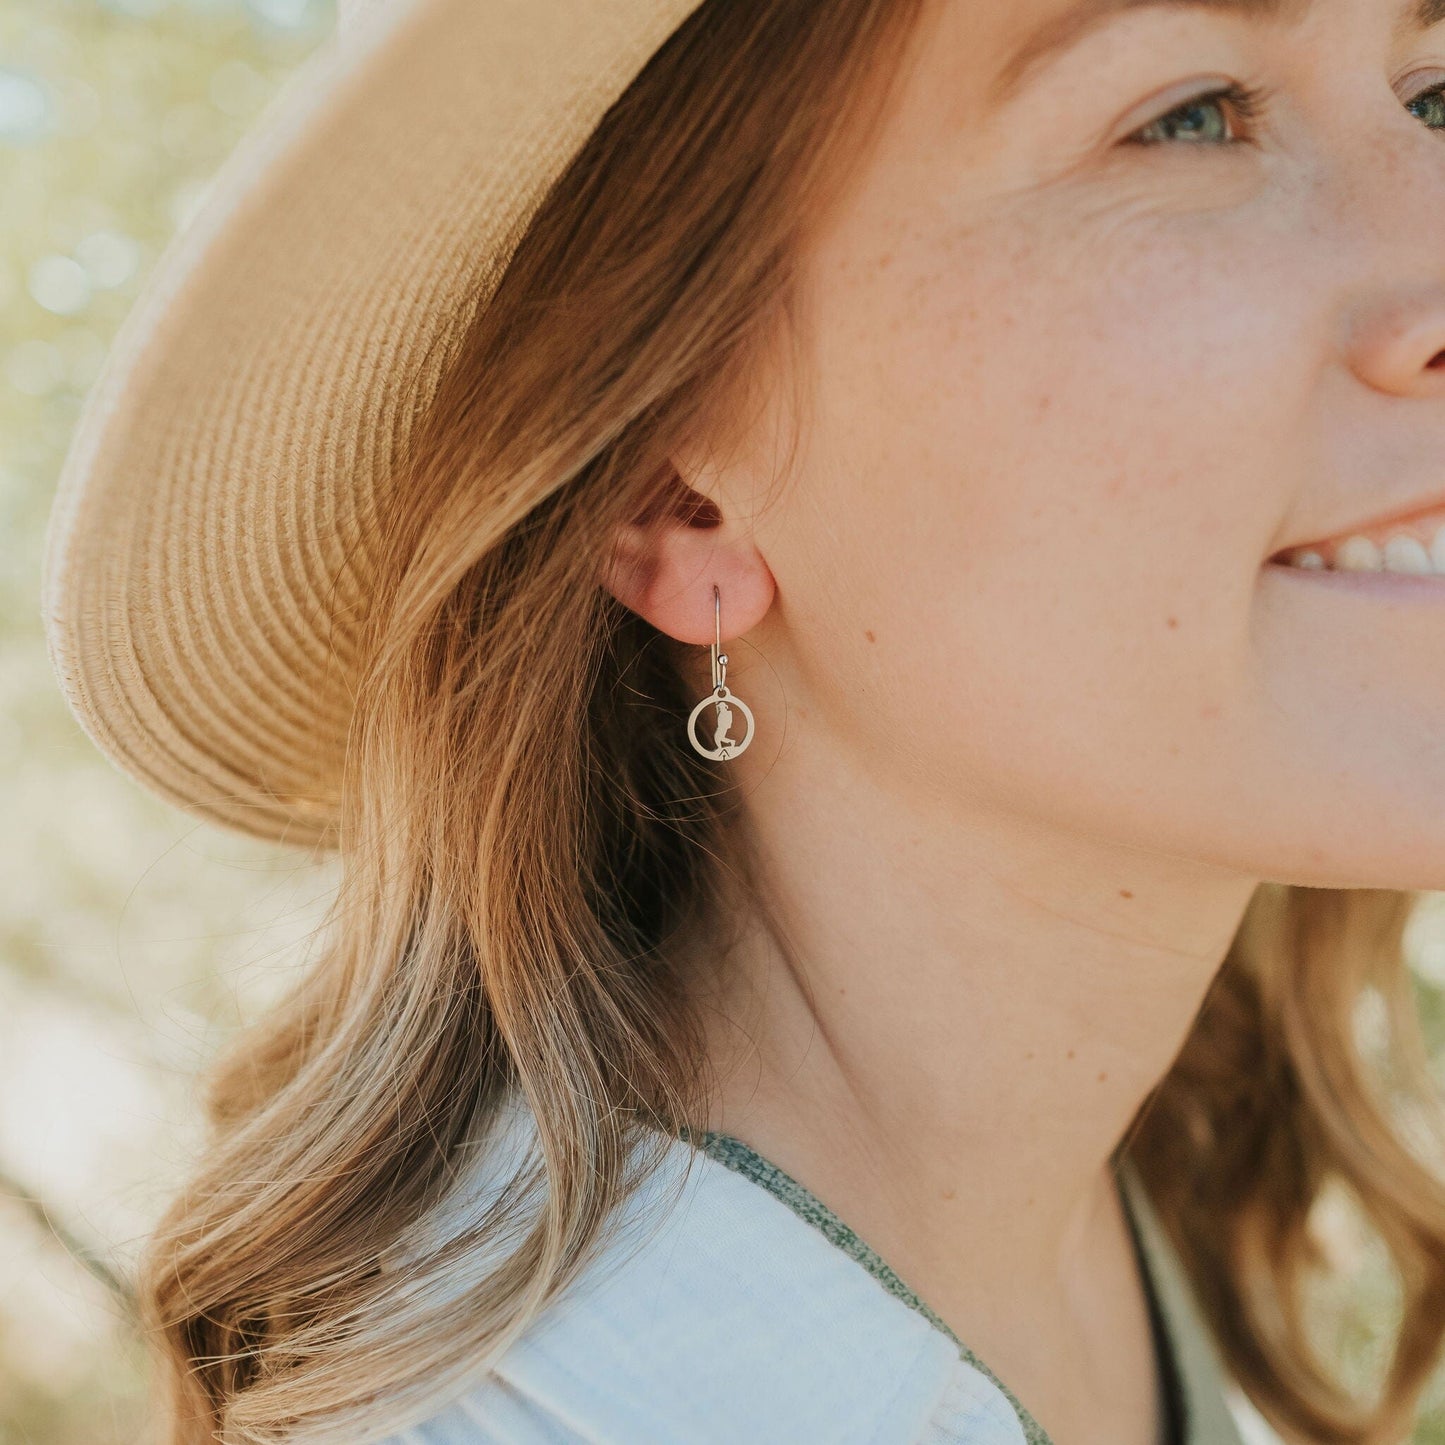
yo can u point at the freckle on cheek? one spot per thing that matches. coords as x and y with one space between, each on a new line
869 635
1172 621
1102 1077
1124 893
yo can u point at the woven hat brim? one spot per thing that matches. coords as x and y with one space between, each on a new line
208 552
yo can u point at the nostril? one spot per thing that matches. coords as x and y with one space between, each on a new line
1437 362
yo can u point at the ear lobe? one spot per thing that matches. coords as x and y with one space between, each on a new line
666 574
640 546
664 564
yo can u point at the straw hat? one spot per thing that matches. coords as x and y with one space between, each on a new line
206 561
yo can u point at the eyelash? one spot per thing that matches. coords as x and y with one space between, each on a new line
1247 102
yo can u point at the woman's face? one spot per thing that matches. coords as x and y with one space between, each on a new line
1087 348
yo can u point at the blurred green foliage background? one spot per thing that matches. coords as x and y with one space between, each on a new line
132 937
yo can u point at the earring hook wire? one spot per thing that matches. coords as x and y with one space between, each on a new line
719 657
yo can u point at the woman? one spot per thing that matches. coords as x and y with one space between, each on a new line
995 405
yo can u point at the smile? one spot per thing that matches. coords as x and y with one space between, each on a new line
1415 548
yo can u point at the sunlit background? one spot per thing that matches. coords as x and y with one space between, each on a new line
131 937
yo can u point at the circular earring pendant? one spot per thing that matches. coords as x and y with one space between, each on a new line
724 745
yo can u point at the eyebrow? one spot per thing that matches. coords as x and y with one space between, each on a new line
1069 26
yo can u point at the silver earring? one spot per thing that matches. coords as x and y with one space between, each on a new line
720 700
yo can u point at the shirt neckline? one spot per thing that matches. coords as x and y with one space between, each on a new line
743 1159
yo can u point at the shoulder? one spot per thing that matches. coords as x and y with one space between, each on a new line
716 1313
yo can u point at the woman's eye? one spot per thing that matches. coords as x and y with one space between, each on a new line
1203 119
1431 105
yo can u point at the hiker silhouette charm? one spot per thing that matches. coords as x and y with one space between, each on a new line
721 700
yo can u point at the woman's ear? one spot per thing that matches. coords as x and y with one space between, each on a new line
664 566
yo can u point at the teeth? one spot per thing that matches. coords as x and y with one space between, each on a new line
1358 553
1405 554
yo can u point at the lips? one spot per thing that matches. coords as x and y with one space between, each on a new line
1409 537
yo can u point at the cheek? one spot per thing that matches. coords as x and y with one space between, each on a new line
1059 464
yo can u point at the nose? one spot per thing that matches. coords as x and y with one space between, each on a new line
1398 341
1396 195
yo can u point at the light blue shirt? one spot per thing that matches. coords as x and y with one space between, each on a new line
747 1313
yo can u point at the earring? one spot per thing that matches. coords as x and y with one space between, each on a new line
720 699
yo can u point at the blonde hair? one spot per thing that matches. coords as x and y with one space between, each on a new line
526 840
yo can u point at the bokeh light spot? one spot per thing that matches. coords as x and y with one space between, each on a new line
59 284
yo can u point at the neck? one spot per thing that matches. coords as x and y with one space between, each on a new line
928 997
